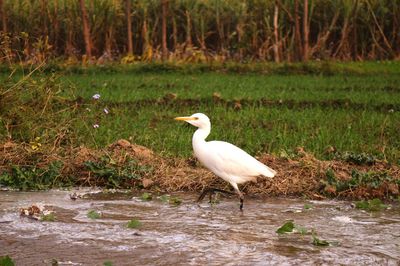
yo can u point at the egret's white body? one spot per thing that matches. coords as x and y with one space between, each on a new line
227 161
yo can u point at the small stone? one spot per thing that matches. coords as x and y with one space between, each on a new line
147 182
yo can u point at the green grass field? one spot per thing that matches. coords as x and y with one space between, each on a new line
277 113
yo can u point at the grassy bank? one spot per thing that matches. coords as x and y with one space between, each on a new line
352 117
261 113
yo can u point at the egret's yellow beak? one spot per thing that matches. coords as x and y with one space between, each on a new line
185 118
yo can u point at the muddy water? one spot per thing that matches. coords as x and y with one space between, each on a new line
192 234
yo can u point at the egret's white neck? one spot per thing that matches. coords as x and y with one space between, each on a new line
201 134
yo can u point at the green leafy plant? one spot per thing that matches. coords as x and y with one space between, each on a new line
6 261
371 205
370 179
316 241
291 227
108 263
134 224
171 200
357 158
92 214
32 177
175 201
286 228
307 206
146 196
164 198
48 217
114 175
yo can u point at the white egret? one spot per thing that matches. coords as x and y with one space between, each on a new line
227 161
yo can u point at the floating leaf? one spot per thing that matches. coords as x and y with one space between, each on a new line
92 214
6 261
300 229
175 201
147 196
371 205
134 224
321 242
108 263
307 206
48 217
164 198
286 228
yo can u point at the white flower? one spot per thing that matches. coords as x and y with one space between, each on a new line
105 110
96 126
96 96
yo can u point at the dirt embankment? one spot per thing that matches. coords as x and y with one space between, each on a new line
123 164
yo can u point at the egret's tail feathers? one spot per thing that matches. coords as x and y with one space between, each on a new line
268 172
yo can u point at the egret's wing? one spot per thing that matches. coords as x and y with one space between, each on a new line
235 161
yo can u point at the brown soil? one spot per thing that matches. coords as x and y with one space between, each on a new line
303 176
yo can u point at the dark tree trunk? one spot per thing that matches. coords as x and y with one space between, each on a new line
297 33
56 24
129 26
164 29
86 30
306 31
188 29
3 17
276 34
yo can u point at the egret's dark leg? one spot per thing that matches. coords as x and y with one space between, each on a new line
241 201
211 191
241 197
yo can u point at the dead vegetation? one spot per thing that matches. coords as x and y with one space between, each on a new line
301 176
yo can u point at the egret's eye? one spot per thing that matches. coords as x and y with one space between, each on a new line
196 118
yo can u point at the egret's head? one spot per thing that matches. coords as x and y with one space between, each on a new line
198 120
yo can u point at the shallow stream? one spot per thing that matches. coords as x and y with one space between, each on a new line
194 234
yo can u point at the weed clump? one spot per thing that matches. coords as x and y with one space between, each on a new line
367 184
113 175
32 177
134 224
93 214
371 205
6 261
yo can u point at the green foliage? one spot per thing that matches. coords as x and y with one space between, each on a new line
307 206
93 214
316 241
242 21
146 196
286 228
114 175
371 205
6 261
48 217
34 177
291 227
175 201
164 198
293 113
108 263
133 224
357 158
371 179
33 109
